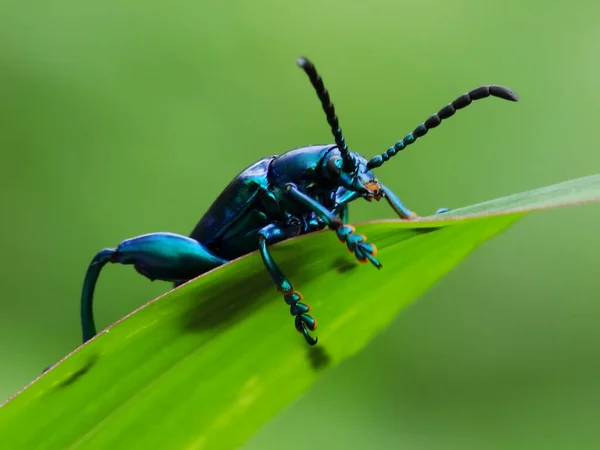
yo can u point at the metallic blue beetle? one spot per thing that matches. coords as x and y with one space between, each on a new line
276 198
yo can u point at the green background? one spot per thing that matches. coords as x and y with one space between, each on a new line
122 118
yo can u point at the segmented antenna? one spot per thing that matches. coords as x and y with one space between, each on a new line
444 113
329 109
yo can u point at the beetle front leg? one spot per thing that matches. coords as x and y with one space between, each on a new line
342 212
399 207
269 235
157 256
357 243
342 198
396 204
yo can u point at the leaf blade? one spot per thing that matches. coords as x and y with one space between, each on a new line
219 353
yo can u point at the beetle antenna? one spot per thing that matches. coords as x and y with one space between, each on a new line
444 113
87 296
329 109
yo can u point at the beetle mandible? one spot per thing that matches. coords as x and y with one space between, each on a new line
274 199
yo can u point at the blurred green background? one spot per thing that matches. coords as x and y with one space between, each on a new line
125 117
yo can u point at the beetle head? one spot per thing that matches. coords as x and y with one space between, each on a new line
357 178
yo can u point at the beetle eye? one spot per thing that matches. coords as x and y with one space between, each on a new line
334 164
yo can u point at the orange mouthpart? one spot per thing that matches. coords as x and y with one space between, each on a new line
374 189
373 186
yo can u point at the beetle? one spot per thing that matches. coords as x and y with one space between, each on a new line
277 198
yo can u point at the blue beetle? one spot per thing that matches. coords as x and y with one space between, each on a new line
276 198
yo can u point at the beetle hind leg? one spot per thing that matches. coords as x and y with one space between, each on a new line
157 256
303 322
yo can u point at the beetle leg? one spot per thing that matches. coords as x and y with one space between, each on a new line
397 205
157 256
342 212
356 243
342 198
271 234
399 208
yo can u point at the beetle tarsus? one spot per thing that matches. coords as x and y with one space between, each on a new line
302 321
357 243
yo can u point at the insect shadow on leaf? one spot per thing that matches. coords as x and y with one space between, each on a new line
343 265
73 377
228 303
318 357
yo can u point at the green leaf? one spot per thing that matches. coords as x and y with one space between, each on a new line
206 365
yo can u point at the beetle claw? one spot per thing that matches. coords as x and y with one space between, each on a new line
307 337
303 324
